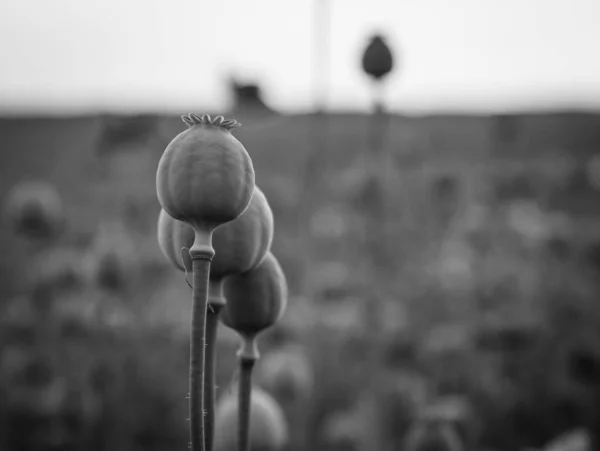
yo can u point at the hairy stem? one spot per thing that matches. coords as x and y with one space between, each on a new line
215 304
201 267
247 357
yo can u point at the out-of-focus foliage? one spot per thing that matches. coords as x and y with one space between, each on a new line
488 316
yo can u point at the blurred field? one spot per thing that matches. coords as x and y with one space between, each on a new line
487 288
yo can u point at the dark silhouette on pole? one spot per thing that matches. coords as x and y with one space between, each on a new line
377 63
377 60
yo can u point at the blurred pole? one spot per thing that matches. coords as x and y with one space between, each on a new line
315 164
321 55
321 52
318 124
376 254
377 63
379 121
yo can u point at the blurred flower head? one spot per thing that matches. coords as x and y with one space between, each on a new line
528 220
268 427
111 258
286 372
35 210
328 223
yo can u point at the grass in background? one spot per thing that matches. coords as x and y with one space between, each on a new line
489 293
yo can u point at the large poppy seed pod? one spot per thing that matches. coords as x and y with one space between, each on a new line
35 210
240 245
205 176
377 60
255 299
268 427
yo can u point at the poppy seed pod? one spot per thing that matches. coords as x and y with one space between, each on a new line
255 299
35 210
377 60
205 176
240 245
173 236
268 428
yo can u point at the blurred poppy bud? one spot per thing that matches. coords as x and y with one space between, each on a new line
268 427
433 435
287 372
377 60
111 259
256 299
35 210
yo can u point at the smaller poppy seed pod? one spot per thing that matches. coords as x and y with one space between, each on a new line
255 299
173 237
268 427
35 210
377 60
205 177
240 245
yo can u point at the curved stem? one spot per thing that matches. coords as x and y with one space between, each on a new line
201 258
247 357
215 303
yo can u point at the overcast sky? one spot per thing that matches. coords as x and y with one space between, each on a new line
173 54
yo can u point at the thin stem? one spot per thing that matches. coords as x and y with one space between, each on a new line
376 259
201 267
247 357
215 303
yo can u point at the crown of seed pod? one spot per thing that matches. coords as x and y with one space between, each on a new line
256 299
35 210
377 59
240 245
205 176
268 427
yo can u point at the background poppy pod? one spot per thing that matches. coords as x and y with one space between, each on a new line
268 428
35 209
255 299
433 435
205 176
286 372
377 59
239 245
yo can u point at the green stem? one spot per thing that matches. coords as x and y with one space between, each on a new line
201 254
247 357
215 303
